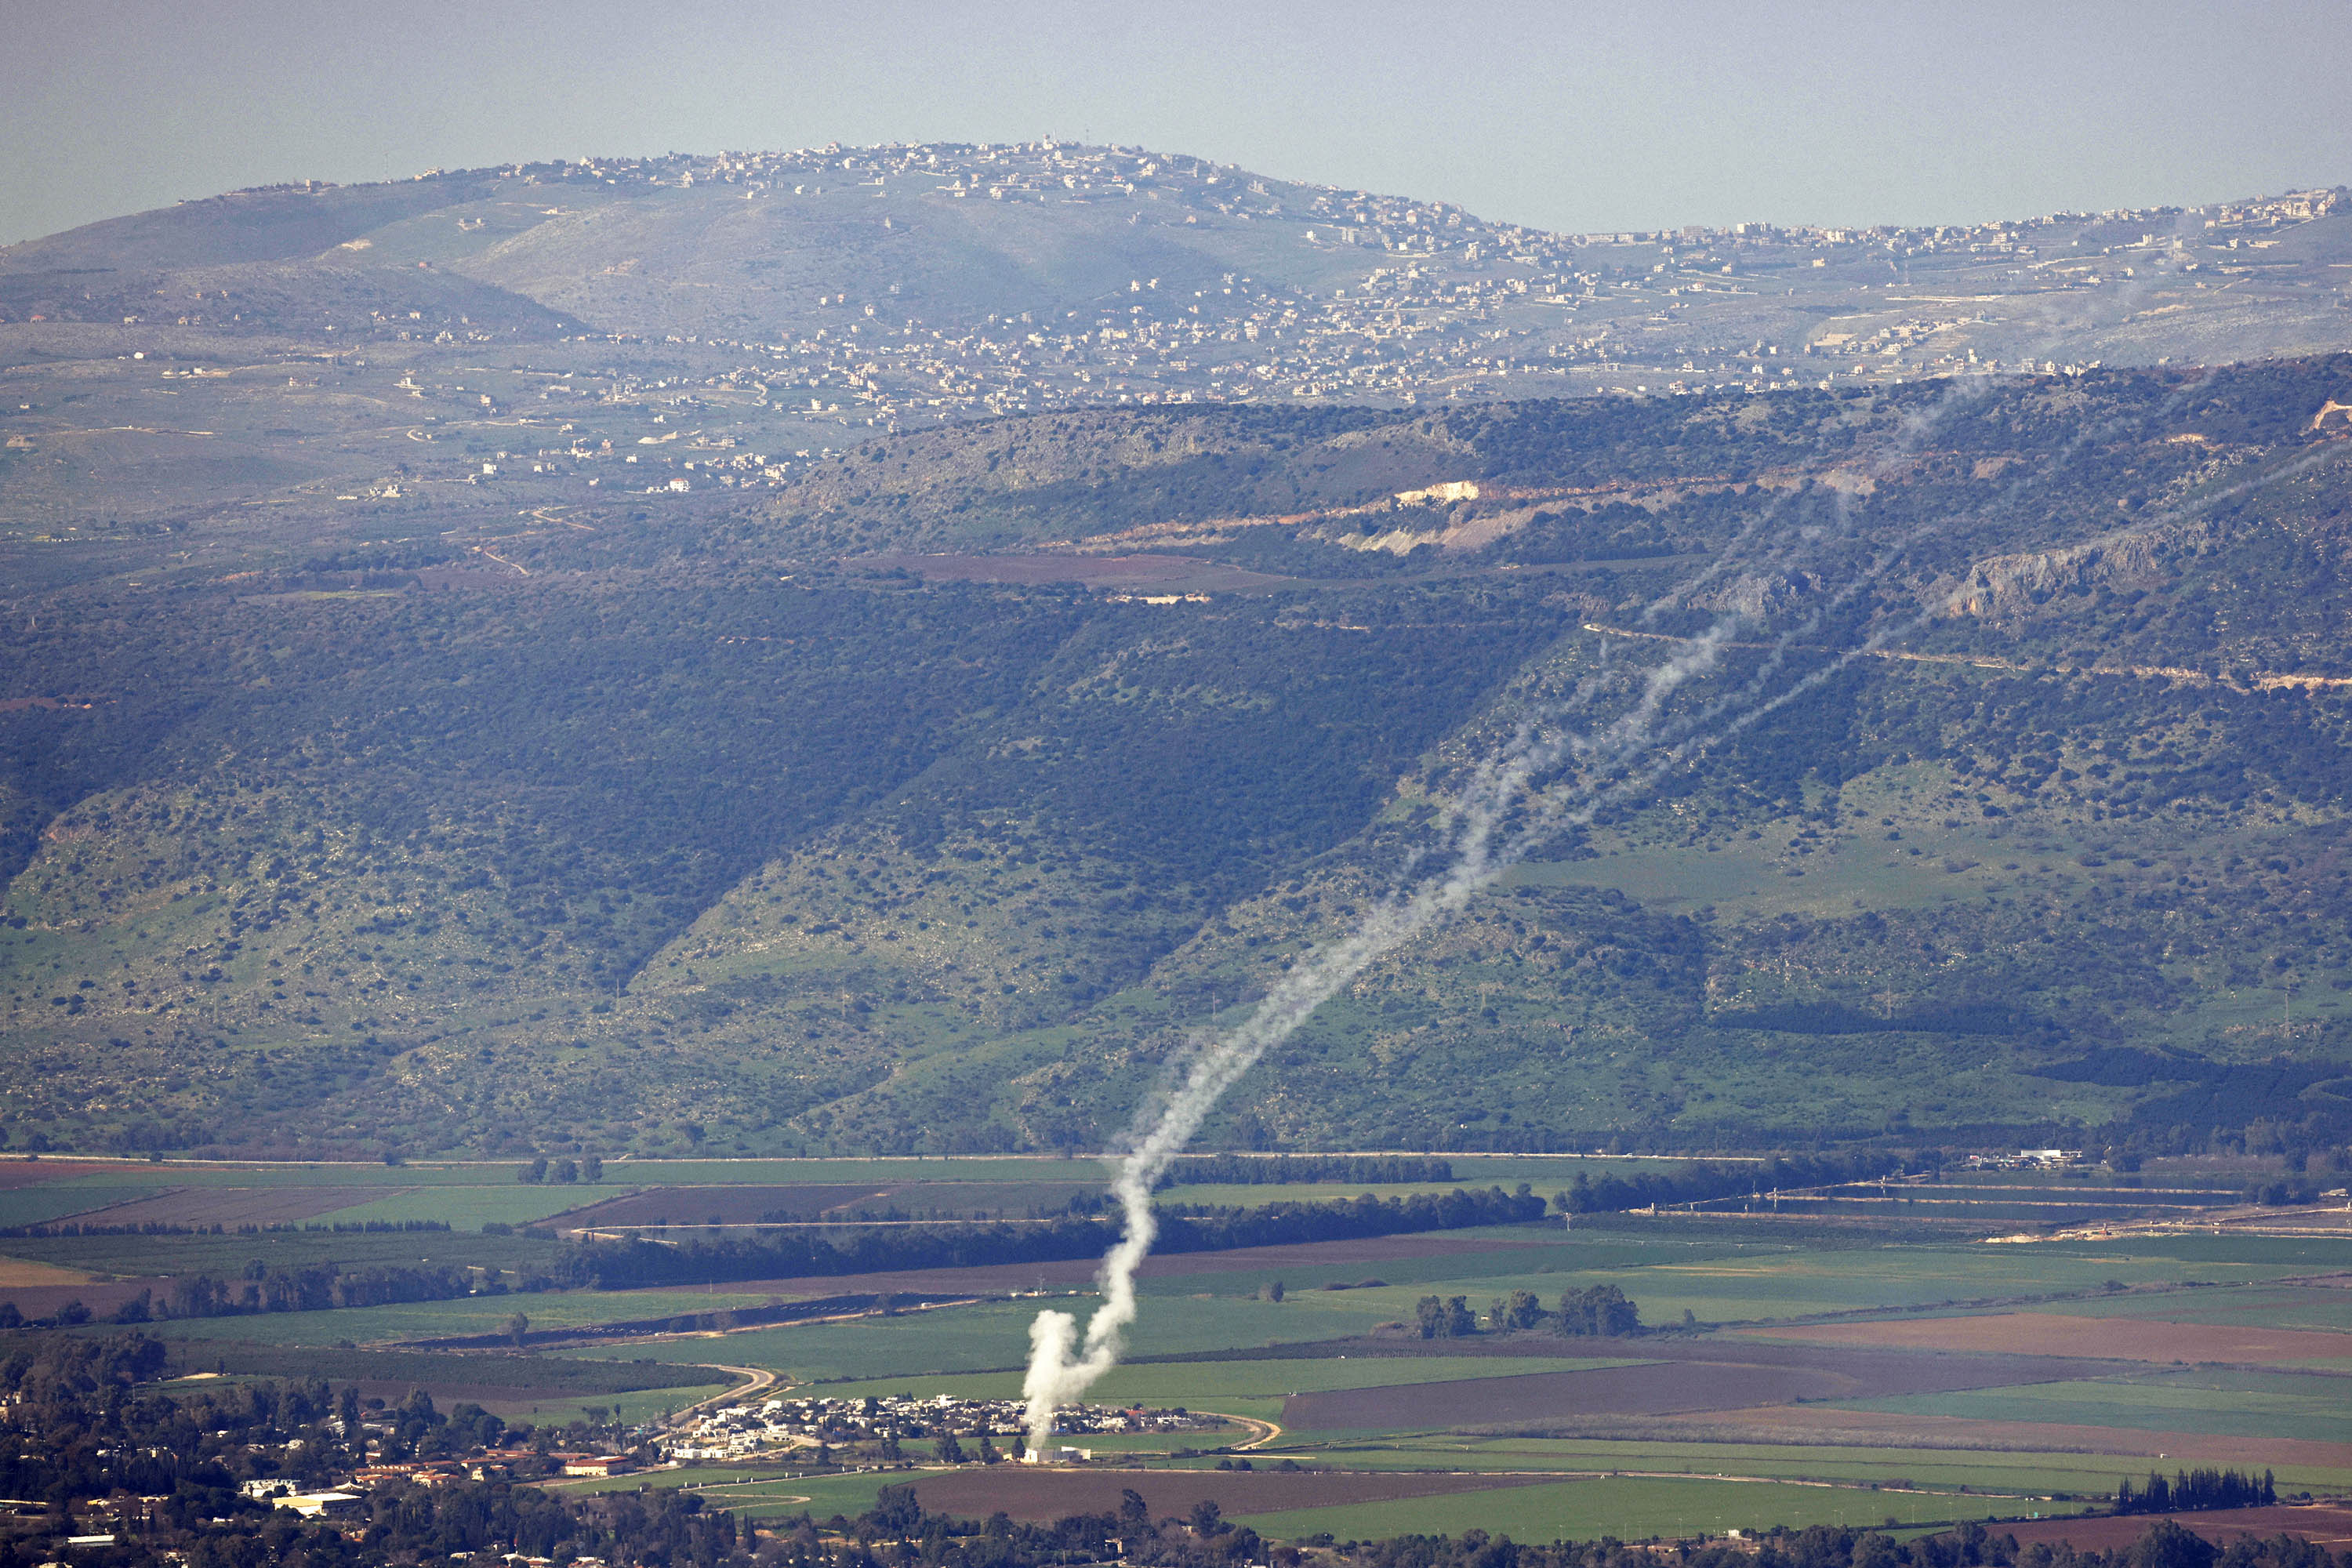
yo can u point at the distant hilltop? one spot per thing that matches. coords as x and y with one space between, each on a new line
1048 169
781 305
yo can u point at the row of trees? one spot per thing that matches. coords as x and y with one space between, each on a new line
164 1227
628 1263
1597 1310
588 1169
315 1288
2191 1490
312 1289
1264 1170
2165 1545
1704 1181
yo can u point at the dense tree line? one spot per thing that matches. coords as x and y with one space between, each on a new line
1261 1170
302 1288
165 1228
2193 1490
1602 1310
620 1265
1597 1310
316 1288
1706 1180
561 1172
2163 1545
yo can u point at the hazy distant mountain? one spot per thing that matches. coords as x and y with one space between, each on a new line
915 283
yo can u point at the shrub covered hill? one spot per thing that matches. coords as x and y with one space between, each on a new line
747 825
383 768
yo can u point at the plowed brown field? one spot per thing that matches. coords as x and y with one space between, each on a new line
2049 1333
99 1295
15 1174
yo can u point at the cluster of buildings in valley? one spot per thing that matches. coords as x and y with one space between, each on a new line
780 1425
491 1464
958 1430
2025 1160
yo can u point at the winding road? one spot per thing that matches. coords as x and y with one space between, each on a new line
762 1380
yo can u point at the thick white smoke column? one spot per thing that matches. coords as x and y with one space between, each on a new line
1061 1369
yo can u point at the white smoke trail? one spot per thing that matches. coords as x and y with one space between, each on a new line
1612 765
1061 1369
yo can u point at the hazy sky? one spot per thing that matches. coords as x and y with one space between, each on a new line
1566 115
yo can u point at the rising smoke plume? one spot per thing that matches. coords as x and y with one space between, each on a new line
1617 758
1503 811
1061 1367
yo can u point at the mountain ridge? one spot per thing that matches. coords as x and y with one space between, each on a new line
372 782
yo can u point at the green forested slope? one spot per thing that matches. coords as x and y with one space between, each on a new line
705 827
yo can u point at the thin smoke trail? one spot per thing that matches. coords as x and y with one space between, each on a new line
1062 1367
1062 1364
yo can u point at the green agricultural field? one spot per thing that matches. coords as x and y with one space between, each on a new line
1938 1470
469 1208
2203 1400
1520 1252
550 1374
39 1205
1630 1509
224 1254
991 1336
1678 1266
464 1315
637 1405
2016 1481
2319 1309
1583 1507
2205 1255
1895 1277
821 1496
699 1478
466 1194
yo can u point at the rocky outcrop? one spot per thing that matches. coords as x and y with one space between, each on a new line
2012 584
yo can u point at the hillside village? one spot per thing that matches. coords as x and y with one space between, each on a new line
1434 304
722 358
